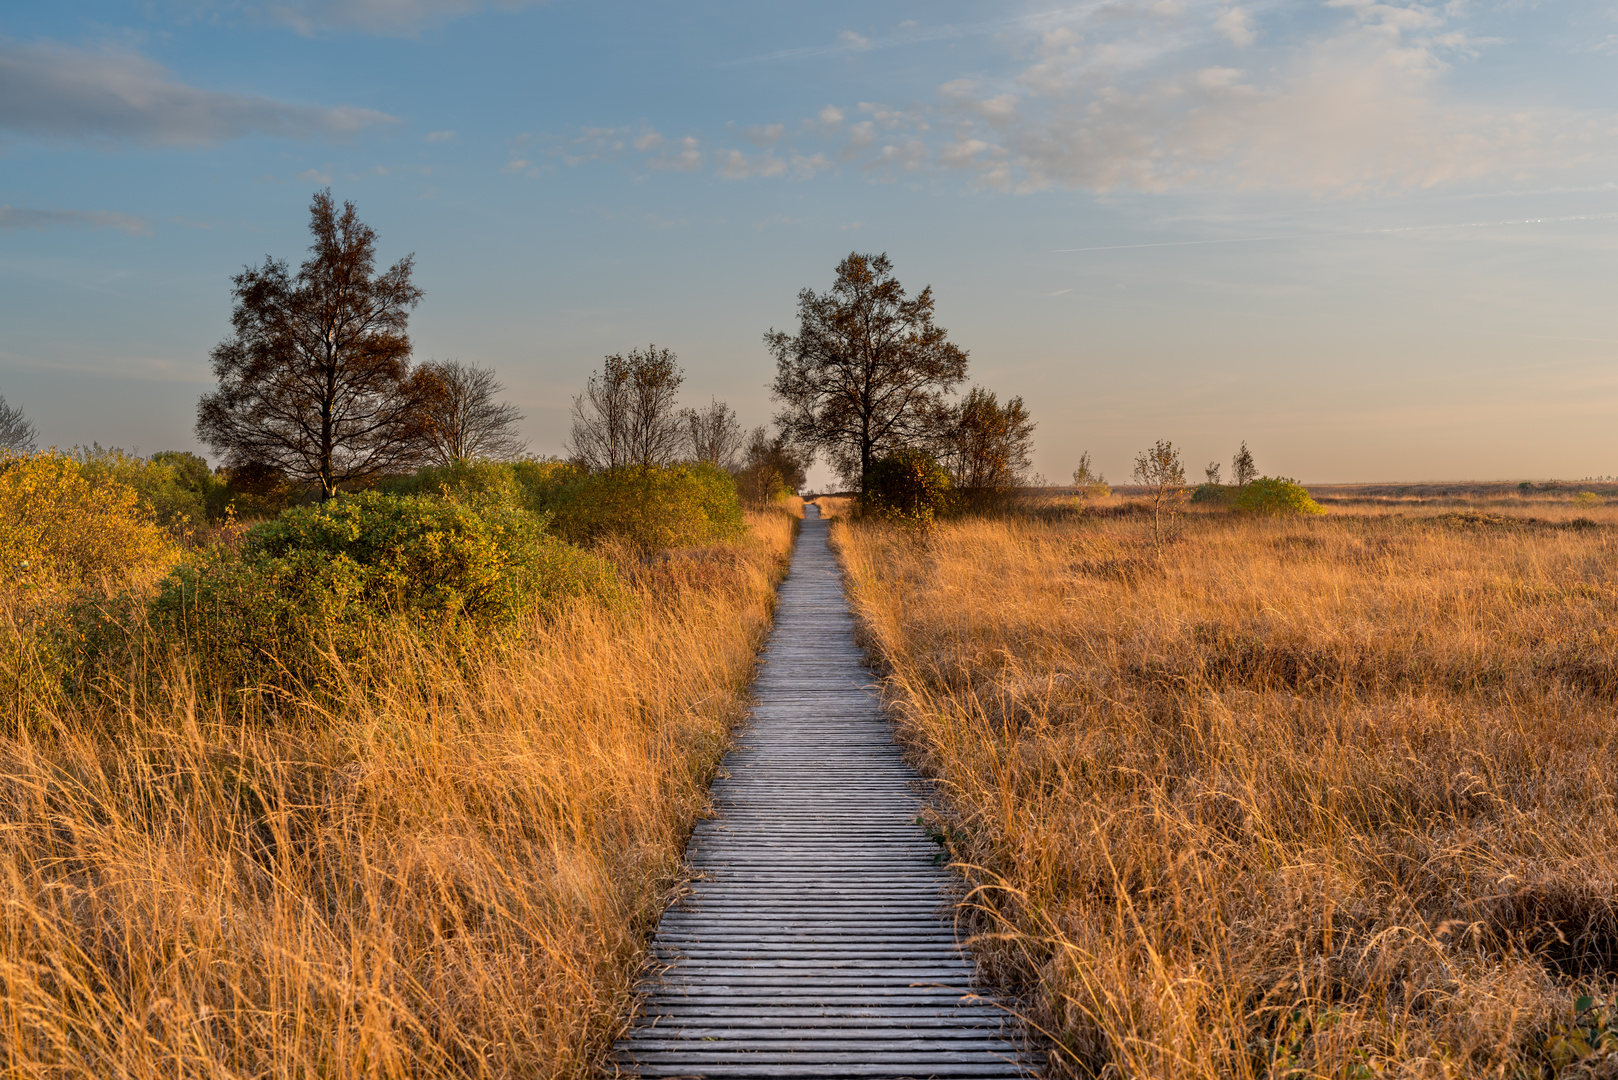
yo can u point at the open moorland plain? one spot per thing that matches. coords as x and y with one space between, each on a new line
425 836
1318 796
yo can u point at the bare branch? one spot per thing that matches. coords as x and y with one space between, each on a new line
462 418
626 415
17 432
712 435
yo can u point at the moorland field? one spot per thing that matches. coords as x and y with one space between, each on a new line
420 840
1317 796
1311 797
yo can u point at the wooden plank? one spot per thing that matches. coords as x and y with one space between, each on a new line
815 938
817 1070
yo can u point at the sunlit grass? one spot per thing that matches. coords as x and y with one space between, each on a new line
447 868
1326 798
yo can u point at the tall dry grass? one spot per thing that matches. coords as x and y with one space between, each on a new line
1316 799
447 870
835 506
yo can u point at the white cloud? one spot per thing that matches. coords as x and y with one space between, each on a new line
440 136
684 155
736 165
314 176
962 153
14 217
598 144
1237 26
905 156
848 39
804 166
53 91
764 134
593 144
1174 94
1130 100
1000 109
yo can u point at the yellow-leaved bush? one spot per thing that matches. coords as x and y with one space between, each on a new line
61 529
74 549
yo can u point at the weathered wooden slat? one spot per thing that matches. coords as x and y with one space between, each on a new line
910 1053
973 1013
814 939
846 1031
817 1070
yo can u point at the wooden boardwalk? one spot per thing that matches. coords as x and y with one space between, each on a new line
815 942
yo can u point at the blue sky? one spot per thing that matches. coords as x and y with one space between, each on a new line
1376 241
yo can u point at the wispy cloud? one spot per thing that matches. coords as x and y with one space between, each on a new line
54 91
909 33
1166 99
392 18
16 217
1195 94
1391 230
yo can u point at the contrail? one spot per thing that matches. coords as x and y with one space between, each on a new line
1178 243
1490 224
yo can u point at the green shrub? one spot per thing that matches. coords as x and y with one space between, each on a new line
175 485
319 582
1588 498
1274 496
651 507
475 479
907 486
538 477
1215 494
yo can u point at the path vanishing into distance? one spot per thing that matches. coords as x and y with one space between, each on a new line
816 939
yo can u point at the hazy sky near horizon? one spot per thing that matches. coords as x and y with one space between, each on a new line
1376 241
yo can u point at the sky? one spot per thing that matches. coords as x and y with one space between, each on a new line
1376 241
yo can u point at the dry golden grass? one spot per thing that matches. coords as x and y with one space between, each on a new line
1330 798
835 506
449 873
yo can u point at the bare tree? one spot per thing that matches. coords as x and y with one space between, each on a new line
17 432
1242 469
1212 472
462 418
316 380
770 467
626 414
712 435
986 445
866 371
1159 469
